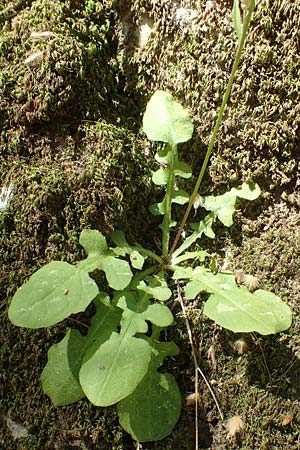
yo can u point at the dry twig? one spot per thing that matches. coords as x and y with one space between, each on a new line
197 369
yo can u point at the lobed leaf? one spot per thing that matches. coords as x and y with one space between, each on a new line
117 271
234 307
197 254
202 227
223 206
182 170
137 260
60 377
260 311
160 177
160 292
123 248
152 410
180 197
121 356
93 242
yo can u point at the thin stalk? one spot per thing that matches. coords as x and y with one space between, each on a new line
216 127
197 370
149 253
168 202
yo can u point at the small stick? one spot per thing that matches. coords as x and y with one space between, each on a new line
179 297
78 321
197 369
264 358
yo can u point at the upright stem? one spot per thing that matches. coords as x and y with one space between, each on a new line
168 201
216 127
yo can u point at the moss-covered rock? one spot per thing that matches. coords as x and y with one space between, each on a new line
71 102
59 61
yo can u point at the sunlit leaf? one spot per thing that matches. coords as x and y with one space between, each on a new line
234 307
223 206
165 120
53 293
236 19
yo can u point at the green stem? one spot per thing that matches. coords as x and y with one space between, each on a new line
216 127
139 276
149 253
168 202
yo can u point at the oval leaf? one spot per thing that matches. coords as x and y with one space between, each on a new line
93 242
117 271
51 294
115 369
242 312
165 120
150 413
60 375
236 19
152 410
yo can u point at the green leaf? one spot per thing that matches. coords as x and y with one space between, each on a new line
53 293
60 375
223 206
204 226
123 248
160 177
137 260
109 357
235 308
183 273
159 315
182 170
117 271
105 321
157 209
260 311
165 120
161 292
180 197
248 191
93 242
152 410
197 254
115 369
122 356
236 19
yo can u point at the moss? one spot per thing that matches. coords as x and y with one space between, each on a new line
72 73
